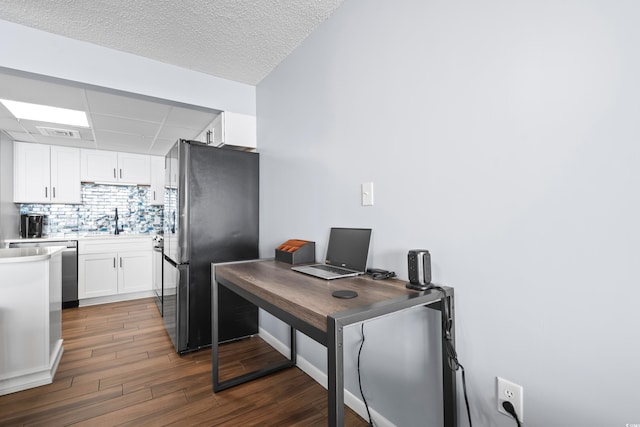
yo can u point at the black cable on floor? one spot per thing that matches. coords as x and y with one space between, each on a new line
364 399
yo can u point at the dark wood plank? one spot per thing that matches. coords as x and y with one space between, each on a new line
308 298
119 368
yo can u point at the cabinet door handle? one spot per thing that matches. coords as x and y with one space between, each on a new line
114 262
114 173
120 262
154 195
120 173
53 190
45 192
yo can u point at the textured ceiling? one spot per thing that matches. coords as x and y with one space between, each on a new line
240 40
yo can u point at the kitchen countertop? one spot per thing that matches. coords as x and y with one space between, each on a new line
11 255
78 236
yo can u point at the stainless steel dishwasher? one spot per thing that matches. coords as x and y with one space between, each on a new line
69 267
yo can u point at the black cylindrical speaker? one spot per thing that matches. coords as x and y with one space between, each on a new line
419 263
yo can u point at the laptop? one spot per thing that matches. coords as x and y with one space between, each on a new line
346 255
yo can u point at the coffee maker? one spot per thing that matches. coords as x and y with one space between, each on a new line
31 225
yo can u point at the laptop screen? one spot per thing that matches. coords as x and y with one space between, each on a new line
349 247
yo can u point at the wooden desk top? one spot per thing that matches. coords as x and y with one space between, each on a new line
307 297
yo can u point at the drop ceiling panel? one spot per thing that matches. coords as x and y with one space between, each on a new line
174 133
126 106
162 146
43 92
115 141
122 125
21 136
68 142
10 124
4 113
120 121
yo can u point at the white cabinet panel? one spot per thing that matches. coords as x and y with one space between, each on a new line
232 129
134 274
32 173
156 191
134 168
235 129
114 265
98 165
46 173
65 175
97 275
114 167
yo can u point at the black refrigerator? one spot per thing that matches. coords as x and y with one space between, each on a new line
210 216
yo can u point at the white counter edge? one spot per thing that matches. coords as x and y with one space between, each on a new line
11 255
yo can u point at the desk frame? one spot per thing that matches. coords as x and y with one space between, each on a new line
332 339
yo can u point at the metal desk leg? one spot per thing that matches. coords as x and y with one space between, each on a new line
293 349
214 337
241 379
449 391
335 358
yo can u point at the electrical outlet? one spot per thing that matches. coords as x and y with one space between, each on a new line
508 391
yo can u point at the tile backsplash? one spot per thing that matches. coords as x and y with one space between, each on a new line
96 214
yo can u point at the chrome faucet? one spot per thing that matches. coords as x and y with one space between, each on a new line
117 230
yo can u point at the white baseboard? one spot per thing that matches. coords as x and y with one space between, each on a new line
115 298
57 356
351 400
26 380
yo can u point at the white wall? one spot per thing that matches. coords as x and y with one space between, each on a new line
503 137
51 55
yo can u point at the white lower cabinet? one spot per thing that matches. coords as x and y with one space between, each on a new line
134 273
97 275
113 266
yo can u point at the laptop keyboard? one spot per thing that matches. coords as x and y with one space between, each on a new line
331 269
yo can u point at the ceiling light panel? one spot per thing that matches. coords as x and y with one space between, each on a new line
46 113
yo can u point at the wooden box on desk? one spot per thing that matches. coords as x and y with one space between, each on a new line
296 252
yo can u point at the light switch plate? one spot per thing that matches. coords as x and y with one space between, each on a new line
367 194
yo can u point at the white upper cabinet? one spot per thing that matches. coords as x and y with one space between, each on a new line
65 175
134 168
171 172
231 129
156 191
98 165
46 174
114 167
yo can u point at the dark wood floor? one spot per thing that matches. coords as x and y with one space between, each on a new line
119 368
